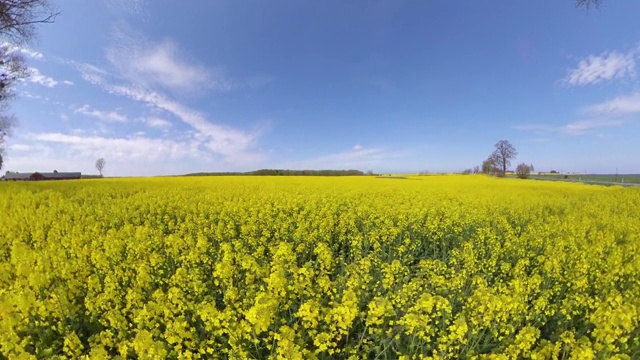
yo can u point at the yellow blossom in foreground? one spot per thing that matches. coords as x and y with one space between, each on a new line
429 267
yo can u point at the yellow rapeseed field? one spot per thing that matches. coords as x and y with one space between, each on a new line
431 267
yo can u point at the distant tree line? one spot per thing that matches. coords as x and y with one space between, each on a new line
284 172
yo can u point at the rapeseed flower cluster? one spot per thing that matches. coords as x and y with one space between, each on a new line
436 267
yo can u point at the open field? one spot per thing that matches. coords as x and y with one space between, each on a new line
611 179
309 267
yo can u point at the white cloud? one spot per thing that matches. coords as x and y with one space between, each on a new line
604 67
582 126
535 127
29 95
357 148
622 105
610 113
67 82
235 145
133 7
20 147
163 64
90 73
362 159
31 53
11 48
35 76
133 148
538 140
109 116
227 141
139 69
579 127
158 123
134 155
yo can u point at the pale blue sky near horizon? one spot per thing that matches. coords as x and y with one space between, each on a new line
166 87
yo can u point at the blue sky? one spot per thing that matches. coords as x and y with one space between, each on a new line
169 87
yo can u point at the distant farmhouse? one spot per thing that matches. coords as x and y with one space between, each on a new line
39 176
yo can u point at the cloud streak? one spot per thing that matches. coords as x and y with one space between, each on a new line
619 106
357 158
163 65
157 123
233 144
583 126
131 155
601 68
132 148
108 116
574 128
35 76
11 48
217 138
131 7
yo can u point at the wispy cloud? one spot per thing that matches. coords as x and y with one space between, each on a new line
164 64
574 128
604 67
109 116
89 72
357 158
538 140
611 113
30 95
31 53
118 148
132 7
21 147
619 106
158 123
535 127
217 138
148 72
234 144
35 76
11 48
129 155
583 126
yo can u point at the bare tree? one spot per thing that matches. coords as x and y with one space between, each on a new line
523 171
12 69
18 20
19 17
490 165
100 164
6 123
503 154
